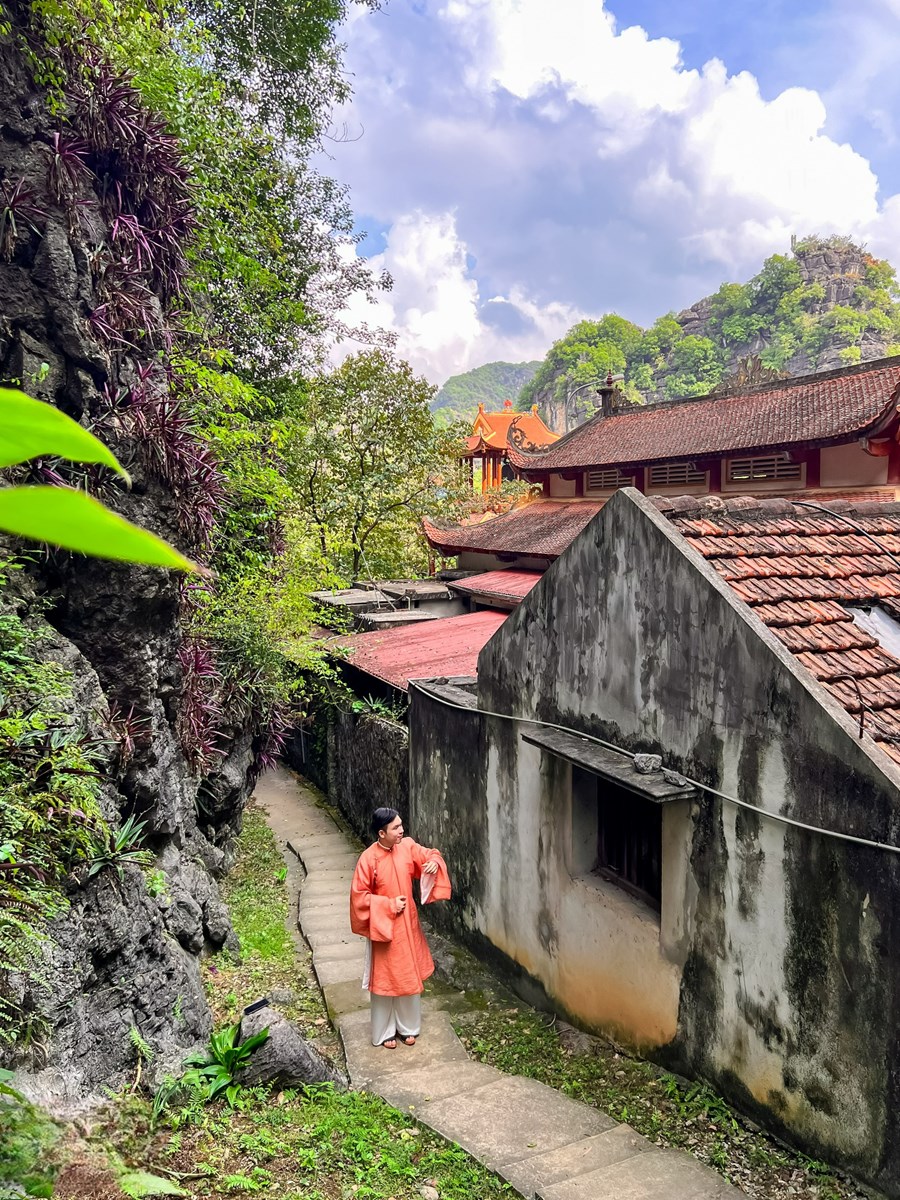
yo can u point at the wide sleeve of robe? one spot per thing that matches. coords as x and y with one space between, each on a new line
433 887
371 916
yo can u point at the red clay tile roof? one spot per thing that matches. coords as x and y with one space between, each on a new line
542 529
448 646
814 410
502 585
799 569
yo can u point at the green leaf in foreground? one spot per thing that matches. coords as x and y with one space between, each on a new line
139 1184
76 521
32 429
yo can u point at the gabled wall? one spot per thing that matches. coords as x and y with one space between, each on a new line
773 967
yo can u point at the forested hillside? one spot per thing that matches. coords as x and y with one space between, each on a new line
489 385
825 304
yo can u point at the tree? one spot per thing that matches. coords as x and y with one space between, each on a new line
588 352
697 368
367 462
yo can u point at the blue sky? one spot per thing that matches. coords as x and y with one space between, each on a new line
519 164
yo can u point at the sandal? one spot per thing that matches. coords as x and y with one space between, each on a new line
389 1044
409 1041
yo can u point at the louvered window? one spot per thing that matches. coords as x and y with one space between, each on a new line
676 475
606 480
759 470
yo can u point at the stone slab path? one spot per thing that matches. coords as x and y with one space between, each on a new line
544 1143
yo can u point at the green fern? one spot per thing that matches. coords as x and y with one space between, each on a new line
139 1184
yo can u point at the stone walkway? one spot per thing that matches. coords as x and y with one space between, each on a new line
545 1144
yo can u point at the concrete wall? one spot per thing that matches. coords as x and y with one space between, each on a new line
471 560
775 948
361 761
561 489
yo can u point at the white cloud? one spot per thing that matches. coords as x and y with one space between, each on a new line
443 325
533 163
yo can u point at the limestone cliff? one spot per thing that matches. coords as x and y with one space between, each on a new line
121 959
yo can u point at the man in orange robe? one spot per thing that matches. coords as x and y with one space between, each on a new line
382 909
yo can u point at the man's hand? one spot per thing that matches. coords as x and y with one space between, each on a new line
430 868
399 904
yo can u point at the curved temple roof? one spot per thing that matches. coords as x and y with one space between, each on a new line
542 529
833 406
491 430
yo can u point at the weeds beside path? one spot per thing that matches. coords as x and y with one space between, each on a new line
670 1111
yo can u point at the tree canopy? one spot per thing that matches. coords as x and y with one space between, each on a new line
366 462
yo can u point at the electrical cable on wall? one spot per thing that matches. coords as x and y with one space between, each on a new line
832 833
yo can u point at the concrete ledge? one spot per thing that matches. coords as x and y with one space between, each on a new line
577 1158
657 1175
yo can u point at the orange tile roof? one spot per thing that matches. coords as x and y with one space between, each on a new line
491 430
814 410
799 569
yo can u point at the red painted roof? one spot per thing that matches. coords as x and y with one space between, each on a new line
799 569
503 585
447 647
542 529
814 410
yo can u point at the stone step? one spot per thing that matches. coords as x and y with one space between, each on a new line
437 1047
344 996
335 920
323 847
654 1175
333 971
576 1158
342 951
337 883
320 939
416 1090
514 1118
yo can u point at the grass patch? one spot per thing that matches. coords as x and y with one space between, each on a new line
28 1139
317 1145
270 960
666 1109
256 894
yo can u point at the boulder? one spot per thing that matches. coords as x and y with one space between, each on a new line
286 1059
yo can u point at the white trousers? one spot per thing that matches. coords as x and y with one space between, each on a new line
393 1015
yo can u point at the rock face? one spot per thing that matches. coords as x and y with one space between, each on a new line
123 962
839 270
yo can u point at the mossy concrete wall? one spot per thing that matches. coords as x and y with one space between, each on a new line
773 968
360 760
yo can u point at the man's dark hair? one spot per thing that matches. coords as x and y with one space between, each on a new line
382 817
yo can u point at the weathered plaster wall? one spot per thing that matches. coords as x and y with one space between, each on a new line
775 948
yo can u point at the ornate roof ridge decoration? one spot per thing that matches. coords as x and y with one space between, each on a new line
516 436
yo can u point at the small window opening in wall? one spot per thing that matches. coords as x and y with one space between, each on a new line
617 834
607 480
763 469
879 624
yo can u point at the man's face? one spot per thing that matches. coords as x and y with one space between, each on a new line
391 834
